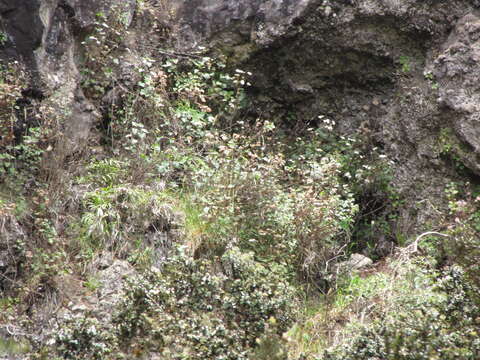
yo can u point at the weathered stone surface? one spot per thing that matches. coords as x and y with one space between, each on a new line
80 301
457 72
112 281
399 72
261 22
47 36
356 262
23 25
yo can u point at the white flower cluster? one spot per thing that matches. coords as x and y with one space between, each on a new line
328 124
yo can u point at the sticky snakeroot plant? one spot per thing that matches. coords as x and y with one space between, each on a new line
262 210
190 309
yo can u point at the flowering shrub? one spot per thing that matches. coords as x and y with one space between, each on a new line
443 325
191 309
84 338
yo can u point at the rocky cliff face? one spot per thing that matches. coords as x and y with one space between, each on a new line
401 72
46 36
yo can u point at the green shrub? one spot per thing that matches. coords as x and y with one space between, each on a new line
444 325
190 310
463 229
116 216
84 337
288 210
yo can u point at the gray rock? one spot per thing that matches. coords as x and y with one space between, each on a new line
259 21
102 302
356 262
112 281
457 72
46 36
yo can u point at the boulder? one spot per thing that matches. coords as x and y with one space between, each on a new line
356 262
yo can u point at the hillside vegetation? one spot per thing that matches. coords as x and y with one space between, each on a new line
192 226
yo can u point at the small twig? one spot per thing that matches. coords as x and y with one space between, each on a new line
333 258
178 54
431 205
174 53
14 332
413 247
